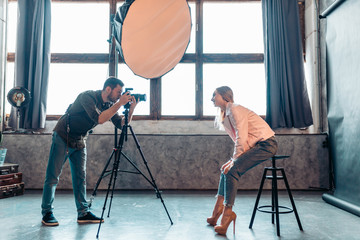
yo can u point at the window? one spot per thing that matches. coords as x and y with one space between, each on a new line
67 80
178 91
233 27
11 42
246 80
225 48
85 29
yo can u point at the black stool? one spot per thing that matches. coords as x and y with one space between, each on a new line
275 208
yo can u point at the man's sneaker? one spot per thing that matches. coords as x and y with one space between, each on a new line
89 218
49 220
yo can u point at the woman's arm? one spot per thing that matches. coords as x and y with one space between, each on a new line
239 120
226 167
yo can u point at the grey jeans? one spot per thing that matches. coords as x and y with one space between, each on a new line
261 152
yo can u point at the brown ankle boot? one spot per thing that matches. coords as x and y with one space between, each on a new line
225 222
215 216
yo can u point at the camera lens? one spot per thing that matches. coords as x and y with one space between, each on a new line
139 97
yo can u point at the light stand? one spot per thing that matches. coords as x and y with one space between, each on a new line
116 154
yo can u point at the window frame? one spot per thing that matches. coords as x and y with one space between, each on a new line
198 58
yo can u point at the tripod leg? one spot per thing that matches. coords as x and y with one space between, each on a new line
107 194
105 169
158 194
112 177
138 169
117 156
152 183
92 197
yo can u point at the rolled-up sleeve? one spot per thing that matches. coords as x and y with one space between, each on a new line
117 120
88 102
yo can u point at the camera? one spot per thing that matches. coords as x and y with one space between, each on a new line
138 97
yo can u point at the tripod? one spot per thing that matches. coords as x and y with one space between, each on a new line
117 153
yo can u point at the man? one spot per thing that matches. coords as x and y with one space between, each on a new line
69 141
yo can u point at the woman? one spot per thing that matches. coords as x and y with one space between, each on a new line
254 143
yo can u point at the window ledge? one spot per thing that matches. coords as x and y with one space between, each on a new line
170 127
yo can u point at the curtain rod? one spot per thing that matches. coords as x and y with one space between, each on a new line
331 8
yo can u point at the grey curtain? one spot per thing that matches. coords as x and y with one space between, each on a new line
32 60
287 98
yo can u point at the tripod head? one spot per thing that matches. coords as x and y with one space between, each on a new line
127 107
138 97
126 114
126 124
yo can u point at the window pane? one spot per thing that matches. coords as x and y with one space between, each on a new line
246 80
66 81
12 26
9 84
231 27
191 46
79 27
178 91
140 85
119 4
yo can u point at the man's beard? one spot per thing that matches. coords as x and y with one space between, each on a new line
111 99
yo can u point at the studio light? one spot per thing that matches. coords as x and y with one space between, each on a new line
19 98
152 36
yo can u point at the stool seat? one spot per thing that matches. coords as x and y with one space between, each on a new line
275 208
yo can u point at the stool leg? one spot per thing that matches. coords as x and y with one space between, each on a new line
291 199
273 191
276 200
272 201
258 198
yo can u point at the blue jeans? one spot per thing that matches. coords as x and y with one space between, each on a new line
57 159
261 152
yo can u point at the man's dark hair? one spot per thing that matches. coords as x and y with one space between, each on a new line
112 82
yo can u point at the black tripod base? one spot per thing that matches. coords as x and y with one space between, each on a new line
116 155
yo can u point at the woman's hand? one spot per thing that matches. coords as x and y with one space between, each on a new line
226 167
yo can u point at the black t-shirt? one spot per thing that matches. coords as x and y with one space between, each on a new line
82 116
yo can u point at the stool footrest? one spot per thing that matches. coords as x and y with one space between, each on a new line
288 209
274 168
277 177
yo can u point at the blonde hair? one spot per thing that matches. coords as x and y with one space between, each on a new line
227 94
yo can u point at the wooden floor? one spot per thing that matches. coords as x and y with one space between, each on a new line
141 215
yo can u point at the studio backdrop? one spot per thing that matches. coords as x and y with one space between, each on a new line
343 58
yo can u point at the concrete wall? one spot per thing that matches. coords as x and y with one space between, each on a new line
177 161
